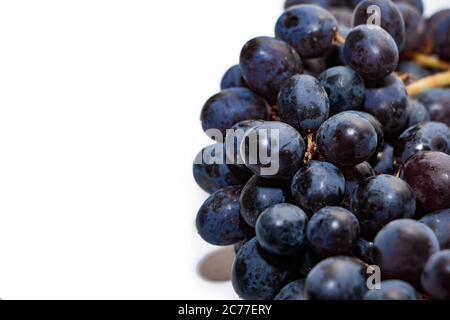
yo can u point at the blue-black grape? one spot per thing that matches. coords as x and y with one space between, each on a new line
384 162
355 175
273 150
390 18
417 113
219 221
414 26
260 194
379 200
392 290
254 277
292 291
402 248
413 70
387 101
439 222
211 172
232 78
441 38
266 63
347 139
428 175
364 251
281 229
345 88
432 22
337 278
427 136
375 123
231 106
310 29
303 103
322 3
437 102
371 51
316 185
436 276
333 231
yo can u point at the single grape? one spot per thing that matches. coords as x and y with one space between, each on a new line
345 88
355 175
413 70
266 63
417 113
432 23
402 249
436 276
415 25
253 277
293 291
441 38
371 51
337 278
310 29
333 231
390 18
281 229
232 78
379 200
437 102
316 185
375 123
439 222
258 195
427 136
322 3
273 150
364 251
384 162
231 106
218 220
303 103
211 171
392 290
417 4
387 101
428 175
347 139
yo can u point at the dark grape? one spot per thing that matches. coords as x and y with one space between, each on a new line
439 222
371 51
232 78
413 70
258 195
282 145
432 23
392 290
441 38
345 88
218 220
436 276
428 175
417 113
253 277
211 171
281 229
310 29
402 249
355 175
417 4
337 278
385 160
293 291
347 139
364 251
414 26
427 136
437 102
322 3
231 106
390 18
375 123
387 101
303 103
333 231
379 200
316 185
266 63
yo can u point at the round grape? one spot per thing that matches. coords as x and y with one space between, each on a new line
293 291
436 276
439 222
232 78
392 290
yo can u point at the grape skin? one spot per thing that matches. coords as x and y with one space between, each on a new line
414 26
436 276
232 78
392 290
292 291
437 102
439 222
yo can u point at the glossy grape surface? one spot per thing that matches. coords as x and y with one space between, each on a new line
232 78
436 276
439 222
384 162
392 290
293 291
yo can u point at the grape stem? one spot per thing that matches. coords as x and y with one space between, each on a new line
430 61
339 38
441 79
311 148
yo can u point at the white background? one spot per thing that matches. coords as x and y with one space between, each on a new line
99 123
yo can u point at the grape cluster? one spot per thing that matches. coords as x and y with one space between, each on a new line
331 155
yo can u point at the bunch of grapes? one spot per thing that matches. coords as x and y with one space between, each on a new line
331 155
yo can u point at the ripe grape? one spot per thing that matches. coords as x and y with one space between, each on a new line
413 70
437 102
414 26
303 103
392 290
375 123
293 291
364 251
402 248
266 63
417 113
436 276
428 175
355 175
384 162
310 29
441 38
281 229
439 222
232 78
218 220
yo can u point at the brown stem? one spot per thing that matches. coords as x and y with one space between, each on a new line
339 38
312 148
438 80
430 61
